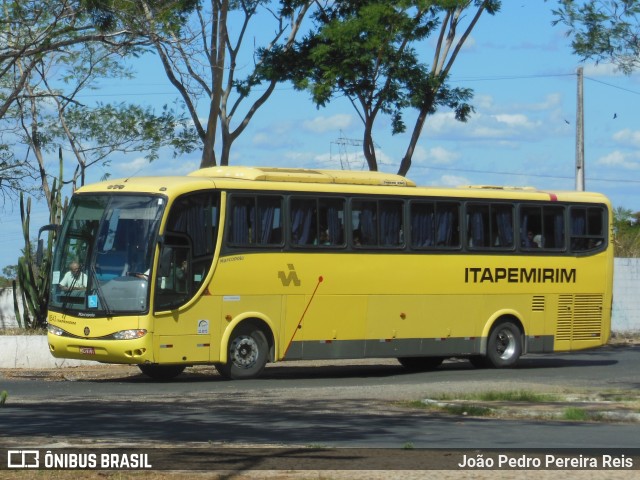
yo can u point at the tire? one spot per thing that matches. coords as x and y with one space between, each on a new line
247 354
161 372
504 346
420 364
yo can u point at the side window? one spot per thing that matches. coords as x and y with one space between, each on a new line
542 227
490 226
587 228
317 222
377 223
255 220
435 225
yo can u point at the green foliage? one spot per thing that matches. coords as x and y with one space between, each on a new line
125 128
626 226
370 51
3 397
170 14
9 274
33 280
576 414
603 30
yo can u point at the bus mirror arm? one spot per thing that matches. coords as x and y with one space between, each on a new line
52 227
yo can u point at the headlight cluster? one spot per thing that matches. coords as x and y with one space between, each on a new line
53 330
129 334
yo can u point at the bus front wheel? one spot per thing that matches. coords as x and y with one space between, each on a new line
504 346
247 354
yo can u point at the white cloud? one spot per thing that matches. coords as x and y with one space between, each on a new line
276 135
453 181
327 124
133 166
602 70
620 160
434 156
164 166
628 137
514 120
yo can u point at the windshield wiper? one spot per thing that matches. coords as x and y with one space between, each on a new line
99 291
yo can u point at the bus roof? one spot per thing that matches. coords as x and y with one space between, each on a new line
335 181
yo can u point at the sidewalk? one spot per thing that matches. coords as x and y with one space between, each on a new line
31 351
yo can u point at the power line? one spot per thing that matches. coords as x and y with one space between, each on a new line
518 174
613 86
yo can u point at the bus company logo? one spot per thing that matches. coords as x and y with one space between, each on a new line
23 459
520 275
291 276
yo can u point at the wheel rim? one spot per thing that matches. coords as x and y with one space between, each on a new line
505 344
245 351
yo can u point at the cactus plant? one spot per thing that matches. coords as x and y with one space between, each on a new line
33 277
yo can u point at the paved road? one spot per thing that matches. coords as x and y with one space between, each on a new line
339 404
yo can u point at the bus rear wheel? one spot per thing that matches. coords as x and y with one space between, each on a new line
504 346
161 372
247 354
420 364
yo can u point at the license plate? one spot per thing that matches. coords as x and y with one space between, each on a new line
87 350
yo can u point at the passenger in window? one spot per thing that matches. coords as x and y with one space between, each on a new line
593 243
538 241
529 241
181 277
324 238
356 238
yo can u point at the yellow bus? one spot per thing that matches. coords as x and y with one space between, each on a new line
241 266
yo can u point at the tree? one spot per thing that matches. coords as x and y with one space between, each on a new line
626 225
370 51
603 30
205 59
30 29
41 86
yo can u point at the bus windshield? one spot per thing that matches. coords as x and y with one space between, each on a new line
104 254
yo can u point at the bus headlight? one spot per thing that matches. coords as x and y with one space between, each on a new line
129 334
53 330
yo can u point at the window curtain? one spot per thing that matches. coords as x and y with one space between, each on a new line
477 229
368 226
444 227
333 225
422 228
390 221
558 234
504 221
302 216
267 213
240 231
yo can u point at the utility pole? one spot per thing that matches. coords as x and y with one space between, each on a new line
580 134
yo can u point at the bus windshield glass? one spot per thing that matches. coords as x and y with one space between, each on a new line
104 254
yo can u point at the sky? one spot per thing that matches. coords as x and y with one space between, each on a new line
523 131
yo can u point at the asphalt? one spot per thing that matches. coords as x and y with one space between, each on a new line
28 357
